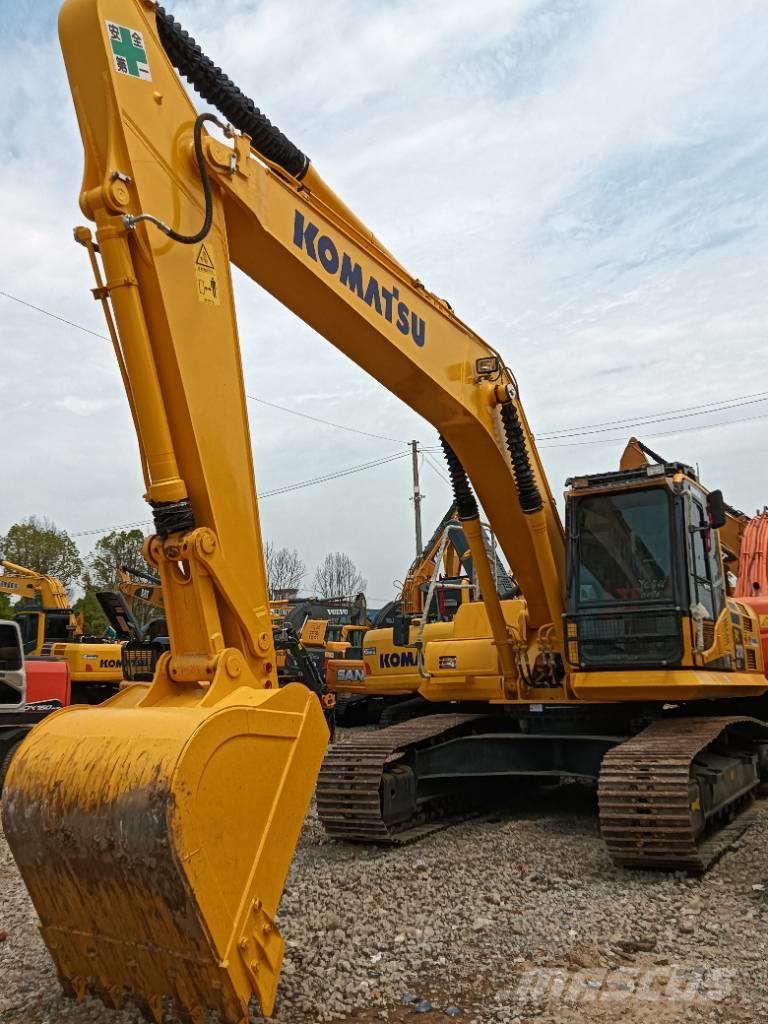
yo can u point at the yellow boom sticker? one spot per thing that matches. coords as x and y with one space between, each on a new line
207 278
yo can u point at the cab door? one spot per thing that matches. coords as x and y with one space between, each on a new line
705 572
12 677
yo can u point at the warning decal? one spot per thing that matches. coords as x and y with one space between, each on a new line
128 51
207 279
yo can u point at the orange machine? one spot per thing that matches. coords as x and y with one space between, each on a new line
752 585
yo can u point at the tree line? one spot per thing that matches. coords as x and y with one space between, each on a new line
37 543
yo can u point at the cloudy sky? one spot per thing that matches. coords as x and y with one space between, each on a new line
585 182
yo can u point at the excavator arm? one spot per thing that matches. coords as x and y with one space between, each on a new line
22 582
154 832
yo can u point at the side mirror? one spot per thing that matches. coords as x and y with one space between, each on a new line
401 631
716 509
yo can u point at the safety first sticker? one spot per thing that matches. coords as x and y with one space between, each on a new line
207 278
128 51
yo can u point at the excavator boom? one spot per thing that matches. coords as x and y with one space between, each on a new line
219 759
23 582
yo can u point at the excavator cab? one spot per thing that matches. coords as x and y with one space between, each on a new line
646 587
40 627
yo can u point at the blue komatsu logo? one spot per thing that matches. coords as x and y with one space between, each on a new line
386 301
397 659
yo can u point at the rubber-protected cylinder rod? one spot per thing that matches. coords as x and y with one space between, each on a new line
464 499
527 489
215 86
221 92
533 509
469 514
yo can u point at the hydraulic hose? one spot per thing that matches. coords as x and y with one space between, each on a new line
131 221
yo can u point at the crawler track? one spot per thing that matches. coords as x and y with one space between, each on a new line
646 812
349 788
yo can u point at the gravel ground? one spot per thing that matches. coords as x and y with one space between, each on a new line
518 917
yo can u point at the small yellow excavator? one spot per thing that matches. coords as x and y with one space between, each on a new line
373 684
154 832
139 585
50 629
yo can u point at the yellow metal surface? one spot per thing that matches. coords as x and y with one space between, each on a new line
666 685
155 841
313 632
91 663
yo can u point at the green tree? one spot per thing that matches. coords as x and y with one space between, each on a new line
6 608
121 547
94 620
37 543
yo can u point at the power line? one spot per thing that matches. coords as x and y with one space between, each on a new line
434 467
664 433
287 488
597 428
620 438
327 423
54 316
585 429
253 398
333 476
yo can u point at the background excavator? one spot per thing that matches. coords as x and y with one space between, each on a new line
139 585
135 612
49 628
30 689
154 832
752 582
372 684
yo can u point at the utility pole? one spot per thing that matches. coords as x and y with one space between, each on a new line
417 497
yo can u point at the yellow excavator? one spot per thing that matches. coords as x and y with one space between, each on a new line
50 629
154 832
138 585
374 683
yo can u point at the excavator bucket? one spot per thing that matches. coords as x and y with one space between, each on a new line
155 842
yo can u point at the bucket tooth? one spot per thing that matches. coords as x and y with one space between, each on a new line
150 1009
145 835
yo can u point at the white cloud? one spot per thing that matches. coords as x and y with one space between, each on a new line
82 406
